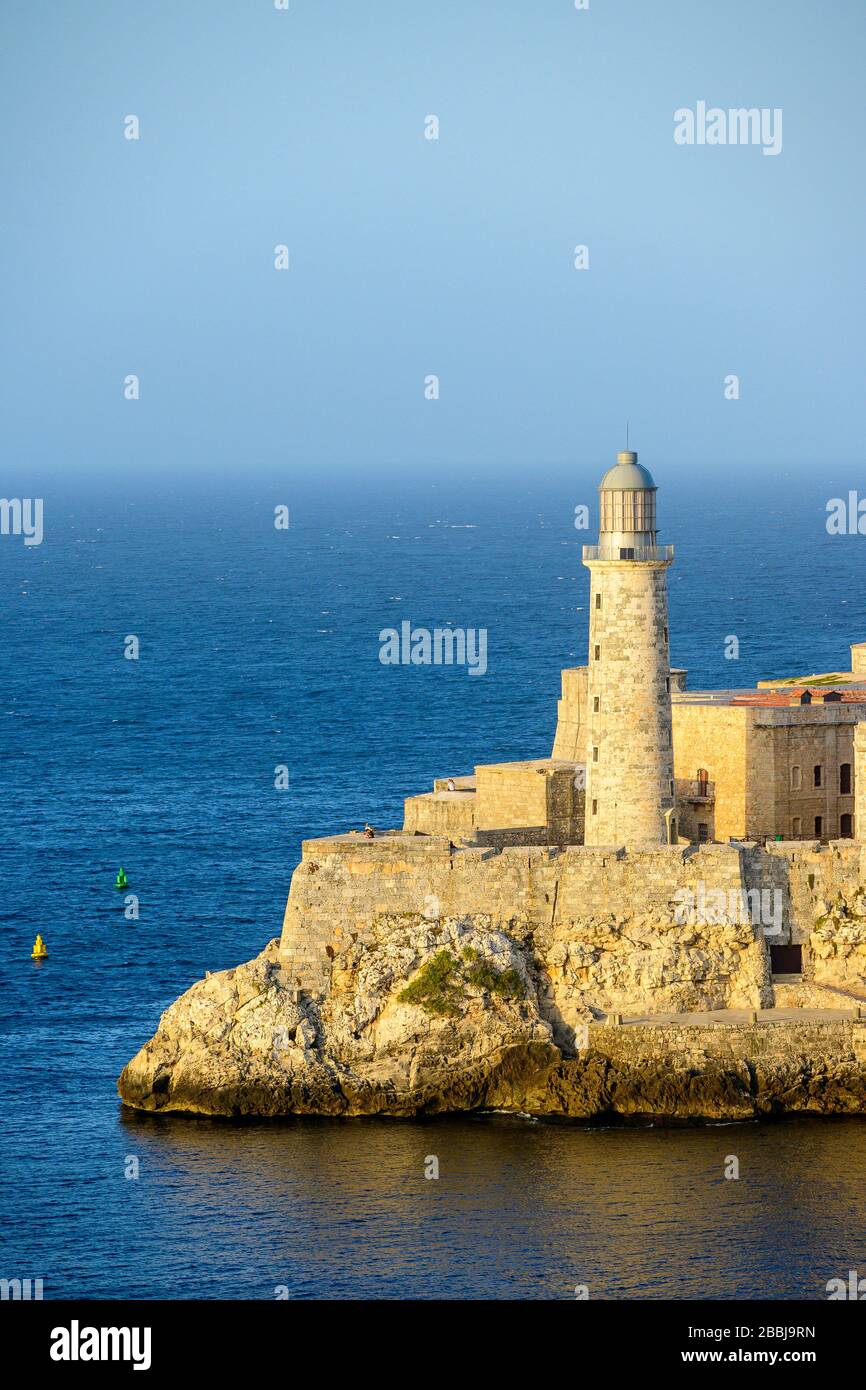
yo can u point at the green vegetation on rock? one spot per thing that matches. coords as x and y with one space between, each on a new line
435 988
439 986
506 983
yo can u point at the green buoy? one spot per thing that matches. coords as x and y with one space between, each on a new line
121 881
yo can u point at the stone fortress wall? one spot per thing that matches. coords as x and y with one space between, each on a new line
537 802
601 927
829 1039
762 767
860 776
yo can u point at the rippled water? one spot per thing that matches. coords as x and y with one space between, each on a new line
260 648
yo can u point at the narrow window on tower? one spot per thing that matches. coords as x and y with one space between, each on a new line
598 600
668 684
598 653
819 827
595 808
596 704
595 755
666 634
672 786
818 769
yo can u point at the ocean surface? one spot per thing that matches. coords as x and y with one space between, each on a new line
259 648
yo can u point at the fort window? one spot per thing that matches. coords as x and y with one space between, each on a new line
598 600
671 785
668 684
845 779
596 704
796 779
819 827
595 808
796 827
818 771
598 653
846 827
595 755
666 634
703 832
626 552
703 781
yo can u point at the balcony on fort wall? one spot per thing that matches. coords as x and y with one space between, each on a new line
628 552
700 792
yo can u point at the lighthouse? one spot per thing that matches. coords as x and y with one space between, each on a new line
629 758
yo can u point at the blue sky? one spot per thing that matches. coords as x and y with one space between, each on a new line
411 257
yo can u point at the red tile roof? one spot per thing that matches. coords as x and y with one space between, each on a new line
779 699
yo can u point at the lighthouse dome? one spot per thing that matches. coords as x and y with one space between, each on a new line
627 475
627 505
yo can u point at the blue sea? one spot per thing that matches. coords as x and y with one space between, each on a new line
259 648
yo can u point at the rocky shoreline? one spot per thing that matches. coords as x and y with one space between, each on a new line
450 1022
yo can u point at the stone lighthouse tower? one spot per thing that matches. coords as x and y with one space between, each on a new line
629 760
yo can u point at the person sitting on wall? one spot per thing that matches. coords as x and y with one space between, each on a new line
369 831
452 785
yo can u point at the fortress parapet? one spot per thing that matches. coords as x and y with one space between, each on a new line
348 894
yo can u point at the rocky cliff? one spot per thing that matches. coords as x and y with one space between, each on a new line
838 941
455 1015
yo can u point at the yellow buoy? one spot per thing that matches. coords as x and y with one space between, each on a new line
40 950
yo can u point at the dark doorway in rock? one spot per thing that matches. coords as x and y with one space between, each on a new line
786 960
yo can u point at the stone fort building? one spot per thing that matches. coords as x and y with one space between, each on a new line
638 758
749 805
